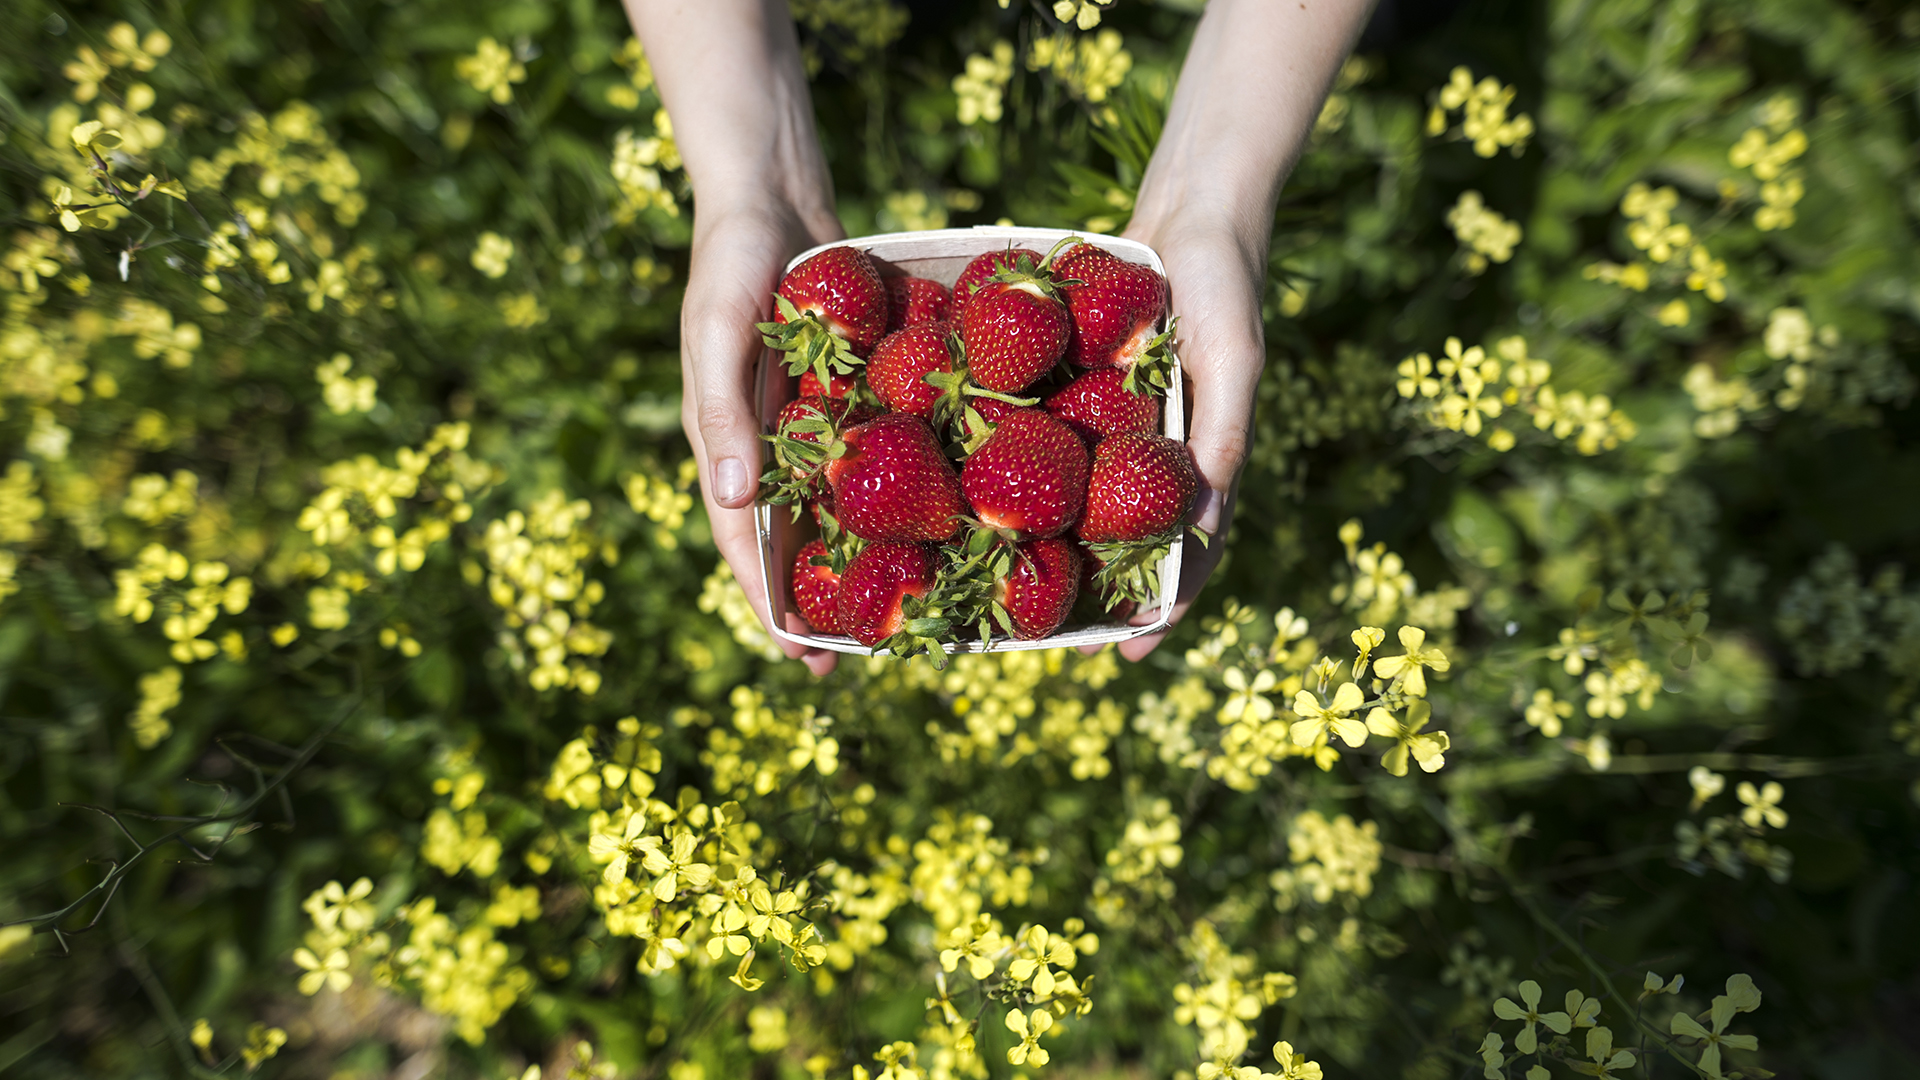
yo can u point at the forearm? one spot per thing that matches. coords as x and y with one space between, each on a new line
1249 93
729 74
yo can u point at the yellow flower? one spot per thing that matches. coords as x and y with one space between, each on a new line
1762 804
1248 700
1410 670
1428 749
1705 783
1528 1041
1084 14
1336 718
492 254
492 70
1482 229
263 1042
1090 66
1605 1058
1546 713
329 972
675 866
1029 1028
1708 275
1294 1066
1366 639
1415 377
981 86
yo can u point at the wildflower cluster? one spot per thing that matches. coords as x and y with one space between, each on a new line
1463 392
1090 67
186 596
1226 997
373 522
641 168
1672 248
536 574
1329 858
1488 236
493 69
1782 185
983 84
1483 114
1733 841
662 501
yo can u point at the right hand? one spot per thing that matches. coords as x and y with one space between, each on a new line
740 250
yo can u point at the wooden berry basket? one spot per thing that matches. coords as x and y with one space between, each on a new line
940 254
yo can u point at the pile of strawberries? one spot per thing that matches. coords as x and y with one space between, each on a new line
977 460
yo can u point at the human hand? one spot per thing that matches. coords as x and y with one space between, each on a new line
730 75
1216 269
739 253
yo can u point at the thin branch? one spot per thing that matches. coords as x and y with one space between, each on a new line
110 883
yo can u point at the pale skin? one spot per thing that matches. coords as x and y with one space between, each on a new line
729 74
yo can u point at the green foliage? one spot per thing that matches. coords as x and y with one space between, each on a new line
347 533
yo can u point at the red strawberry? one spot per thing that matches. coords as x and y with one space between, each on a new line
1014 332
1116 308
816 589
1141 486
803 439
891 482
815 419
1039 590
898 368
840 386
1029 477
830 311
874 604
913 300
986 266
1096 405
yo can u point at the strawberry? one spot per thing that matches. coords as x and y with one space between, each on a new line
816 588
1029 478
881 600
898 369
1141 486
1014 329
1097 404
1116 307
804 431
891 482
1025 589
986 266
839 411
1040 588
830 311
912 301
840 386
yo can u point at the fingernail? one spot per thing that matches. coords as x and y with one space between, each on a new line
1206 512
729 480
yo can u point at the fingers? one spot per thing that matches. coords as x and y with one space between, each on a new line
1197 564
736 267
1215 295
719 357
734 533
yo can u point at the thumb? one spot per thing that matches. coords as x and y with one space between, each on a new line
720 369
